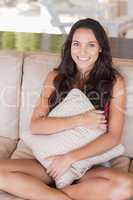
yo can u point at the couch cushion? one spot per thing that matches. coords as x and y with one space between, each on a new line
74 103
10 79
22 151
36 68
7 146
126 69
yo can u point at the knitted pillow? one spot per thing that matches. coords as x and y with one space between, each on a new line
74 103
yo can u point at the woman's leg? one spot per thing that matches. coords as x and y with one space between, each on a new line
23 178
27 179
28 166
102 184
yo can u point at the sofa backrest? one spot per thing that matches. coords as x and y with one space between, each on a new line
36 68
10 83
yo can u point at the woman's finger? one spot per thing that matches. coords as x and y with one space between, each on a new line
54 174
50 168
49 171
103 121
99 111
103 127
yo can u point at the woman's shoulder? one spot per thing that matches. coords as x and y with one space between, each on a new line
119 85
51 76
48 84
119 79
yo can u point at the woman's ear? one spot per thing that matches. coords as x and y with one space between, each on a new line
100 50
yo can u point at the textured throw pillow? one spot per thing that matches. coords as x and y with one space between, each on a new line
74 103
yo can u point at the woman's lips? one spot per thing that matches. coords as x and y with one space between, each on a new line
83 59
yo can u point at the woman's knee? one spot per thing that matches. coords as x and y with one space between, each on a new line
121 183
121 190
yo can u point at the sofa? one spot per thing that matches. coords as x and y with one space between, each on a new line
21 80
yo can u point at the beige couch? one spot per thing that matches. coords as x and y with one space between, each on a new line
21 79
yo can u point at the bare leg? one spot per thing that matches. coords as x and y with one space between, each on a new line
28 166
27 179
29 187
24 179
102 184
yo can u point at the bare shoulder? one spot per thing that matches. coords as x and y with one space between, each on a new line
50 77
52 74
48 81
119 86
48 84
120 79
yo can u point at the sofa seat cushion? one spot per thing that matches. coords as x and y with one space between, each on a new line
7 146
22 151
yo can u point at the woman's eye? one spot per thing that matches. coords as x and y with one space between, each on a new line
92 45
75 44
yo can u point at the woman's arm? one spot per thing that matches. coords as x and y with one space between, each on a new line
116 121
40 122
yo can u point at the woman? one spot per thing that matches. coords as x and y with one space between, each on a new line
86 64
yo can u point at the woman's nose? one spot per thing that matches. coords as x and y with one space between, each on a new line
83 51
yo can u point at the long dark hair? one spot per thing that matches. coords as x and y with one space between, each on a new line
99 83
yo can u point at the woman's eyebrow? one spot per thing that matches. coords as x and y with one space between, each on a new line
92 42
75 41
88 41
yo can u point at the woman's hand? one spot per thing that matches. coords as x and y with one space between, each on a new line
93 119
59 165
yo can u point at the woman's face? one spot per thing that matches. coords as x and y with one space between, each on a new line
84 49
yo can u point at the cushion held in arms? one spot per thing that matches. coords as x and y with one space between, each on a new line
43 146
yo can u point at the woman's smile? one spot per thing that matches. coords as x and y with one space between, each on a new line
83 59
